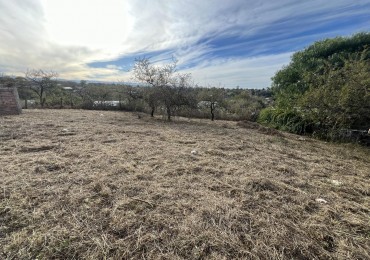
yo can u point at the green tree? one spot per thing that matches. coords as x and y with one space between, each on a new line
291 82
324 89
340 98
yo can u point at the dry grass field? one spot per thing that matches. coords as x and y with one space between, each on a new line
110 185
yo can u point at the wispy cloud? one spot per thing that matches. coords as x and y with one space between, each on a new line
250 72
239 42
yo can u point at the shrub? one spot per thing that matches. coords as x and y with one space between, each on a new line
287 120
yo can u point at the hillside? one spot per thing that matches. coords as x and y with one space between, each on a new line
110 185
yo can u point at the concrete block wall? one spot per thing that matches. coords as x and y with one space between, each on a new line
9 102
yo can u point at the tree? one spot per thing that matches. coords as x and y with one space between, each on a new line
97 95
83 93
134 96
212 98
340 98
24 91
292 81
151 97
325 88
168 87
40 82
244 106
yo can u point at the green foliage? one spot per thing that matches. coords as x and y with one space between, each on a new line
286 119
244 106
294 80
343 100
324 89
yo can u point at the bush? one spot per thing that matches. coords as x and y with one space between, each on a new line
287 120
324 90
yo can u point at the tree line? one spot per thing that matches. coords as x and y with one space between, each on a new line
324 92
160 90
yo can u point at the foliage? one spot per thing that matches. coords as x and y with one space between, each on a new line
287 120
343 100
294 80
162 88
324 89
244 105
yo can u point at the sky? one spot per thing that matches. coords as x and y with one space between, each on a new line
227 43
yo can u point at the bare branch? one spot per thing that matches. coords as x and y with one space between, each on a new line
41 81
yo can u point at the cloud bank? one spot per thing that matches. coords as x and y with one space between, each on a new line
232 43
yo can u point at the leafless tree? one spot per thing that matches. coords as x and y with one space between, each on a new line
40 82
212 98
151 97
167 87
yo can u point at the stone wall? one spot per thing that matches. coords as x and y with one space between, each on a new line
9 102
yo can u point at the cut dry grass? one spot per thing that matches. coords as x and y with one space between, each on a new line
109 185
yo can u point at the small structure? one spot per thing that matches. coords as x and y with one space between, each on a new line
9 101
106 104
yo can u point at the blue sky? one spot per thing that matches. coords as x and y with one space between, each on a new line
221 43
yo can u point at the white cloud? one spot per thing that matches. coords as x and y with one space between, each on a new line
67 35
24 42
255 72
114 67
97 24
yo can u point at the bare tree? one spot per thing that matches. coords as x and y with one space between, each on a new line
151 97
40 82
168 87
83 92
212 98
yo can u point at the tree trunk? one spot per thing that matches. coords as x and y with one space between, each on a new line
169 113
71 100
41 97
152 112
41 101
212 112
